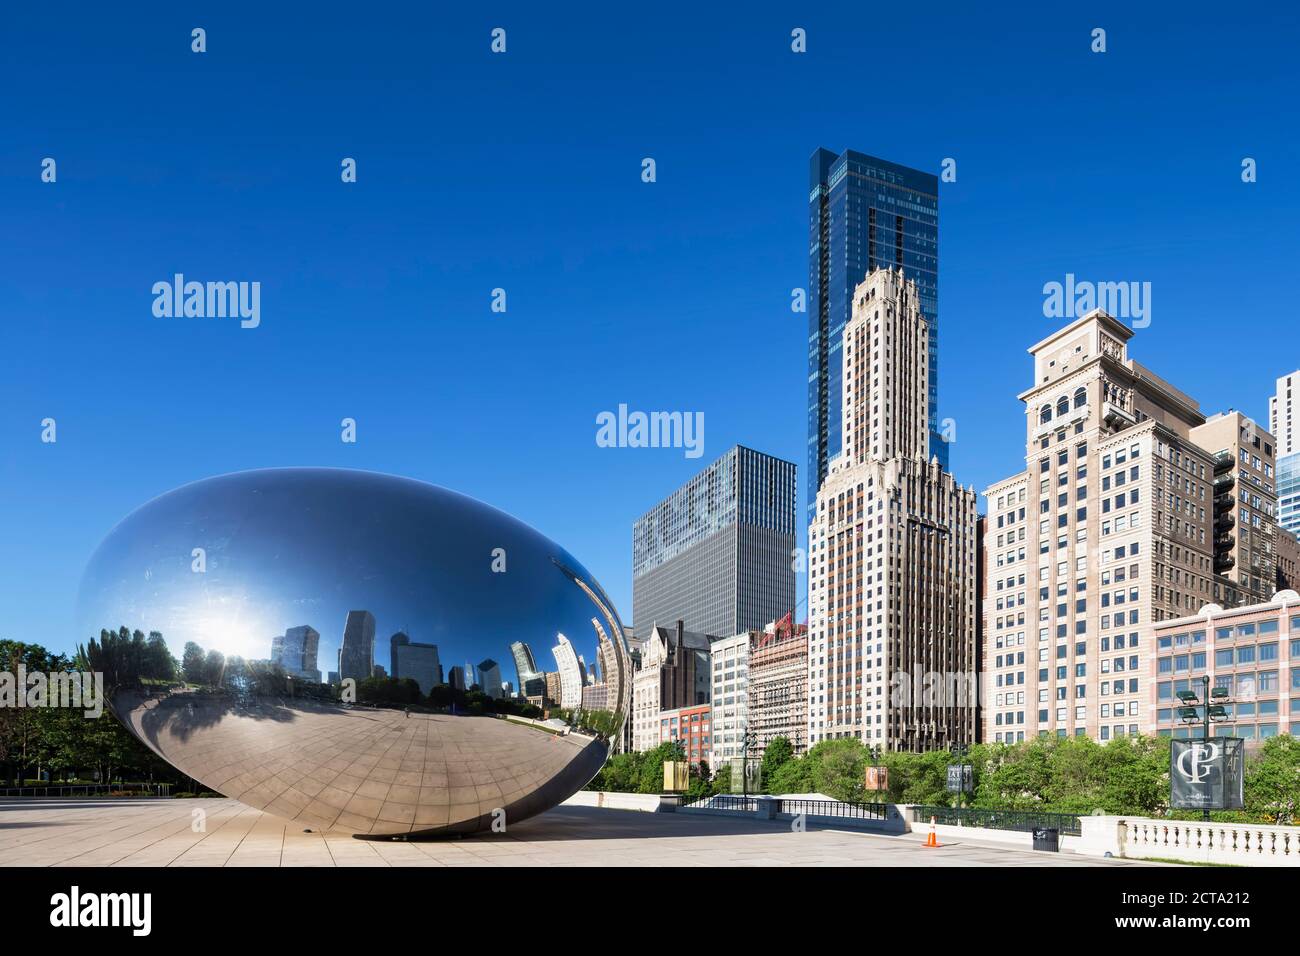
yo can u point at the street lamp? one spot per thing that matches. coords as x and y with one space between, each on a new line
744 763
959 751
1215 710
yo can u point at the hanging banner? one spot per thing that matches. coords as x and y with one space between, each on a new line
1207 775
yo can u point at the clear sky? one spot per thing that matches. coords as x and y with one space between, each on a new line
523 171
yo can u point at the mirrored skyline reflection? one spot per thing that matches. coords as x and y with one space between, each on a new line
294 559
283 549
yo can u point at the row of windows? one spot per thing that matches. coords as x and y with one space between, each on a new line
1063 405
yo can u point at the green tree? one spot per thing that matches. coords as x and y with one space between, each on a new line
1272 786
192 663
839 769
776 754
214 668
652 766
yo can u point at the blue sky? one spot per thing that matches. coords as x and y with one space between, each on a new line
522 171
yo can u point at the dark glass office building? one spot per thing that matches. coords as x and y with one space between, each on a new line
864 213
717 554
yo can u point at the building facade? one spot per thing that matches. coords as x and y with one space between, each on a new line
1288 561
1288 492
718 552
674 673
1281 414
864 213
1252 652
1286 430
1123 518
729 698
892 594
778 687
1245 505
690 726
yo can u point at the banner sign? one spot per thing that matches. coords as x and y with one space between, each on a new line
1207 775
960 778
739 771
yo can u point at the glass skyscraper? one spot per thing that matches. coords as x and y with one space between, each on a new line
718 552
864 213
1288 492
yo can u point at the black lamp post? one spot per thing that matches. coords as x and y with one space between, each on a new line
1213 712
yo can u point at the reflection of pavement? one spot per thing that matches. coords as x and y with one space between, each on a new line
361 770
158 833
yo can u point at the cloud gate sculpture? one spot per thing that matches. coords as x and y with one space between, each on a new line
357 653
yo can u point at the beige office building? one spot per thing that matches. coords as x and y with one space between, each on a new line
892 595
1112 526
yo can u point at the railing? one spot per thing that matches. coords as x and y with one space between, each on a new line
1240 843
833 808
89 790
1067 823
794 807
725 801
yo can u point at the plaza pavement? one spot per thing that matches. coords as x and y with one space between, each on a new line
159 833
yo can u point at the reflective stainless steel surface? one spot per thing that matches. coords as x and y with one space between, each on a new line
512 684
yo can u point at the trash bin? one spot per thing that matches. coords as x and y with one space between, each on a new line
1047 838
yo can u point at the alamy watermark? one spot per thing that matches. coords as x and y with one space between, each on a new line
942 689
208 300
651 430
1073 299
77 690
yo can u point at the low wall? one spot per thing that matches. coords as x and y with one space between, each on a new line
1017 839
765 808
644 802
1198 842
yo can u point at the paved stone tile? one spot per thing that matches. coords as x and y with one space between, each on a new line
160 833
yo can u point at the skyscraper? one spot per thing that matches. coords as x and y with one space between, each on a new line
531 681
417 661
489 675
571 681
357 655
1286 429
296 652
1281 414
718 552
864 213
892 593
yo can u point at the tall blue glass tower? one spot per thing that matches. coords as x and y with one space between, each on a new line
863 213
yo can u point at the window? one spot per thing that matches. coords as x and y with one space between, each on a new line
1080 397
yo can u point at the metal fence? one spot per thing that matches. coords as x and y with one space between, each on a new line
833 808
89 790
795 807
1067 823
726 801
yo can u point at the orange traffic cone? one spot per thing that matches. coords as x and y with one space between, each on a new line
933 838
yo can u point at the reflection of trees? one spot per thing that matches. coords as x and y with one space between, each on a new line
601 723
127 658
181 713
